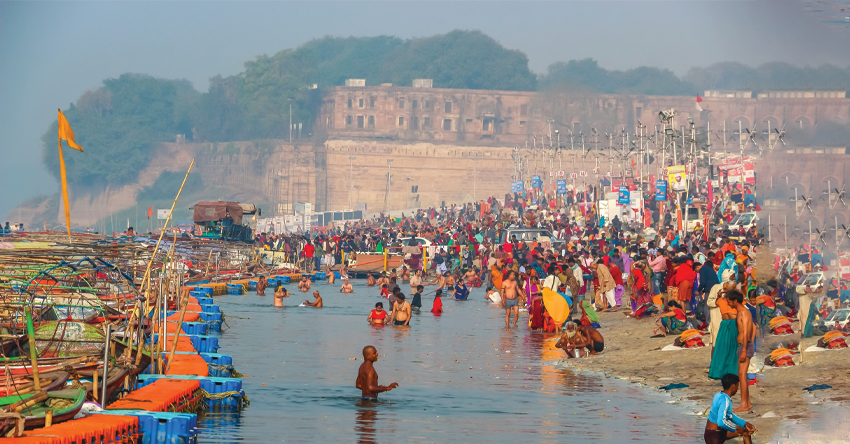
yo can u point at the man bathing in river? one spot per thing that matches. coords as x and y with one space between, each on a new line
367 377
577 337
304 284
262 284
401 311
510 298
346 287
317 303
280 293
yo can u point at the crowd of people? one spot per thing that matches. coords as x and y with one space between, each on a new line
685 281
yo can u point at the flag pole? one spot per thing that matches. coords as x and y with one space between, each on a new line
64 183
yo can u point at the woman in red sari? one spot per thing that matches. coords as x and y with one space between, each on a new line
684 281
639 285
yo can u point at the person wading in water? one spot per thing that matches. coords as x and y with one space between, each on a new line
367 377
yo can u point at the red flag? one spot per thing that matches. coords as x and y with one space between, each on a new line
150 212
699 99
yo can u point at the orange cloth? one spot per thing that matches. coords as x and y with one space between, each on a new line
725 308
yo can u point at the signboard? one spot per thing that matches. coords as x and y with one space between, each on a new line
520 185
162 214
660 190
582 173
573 175
560 174
534 201
536 182
597 169
623 197
513 187
561 185
677 178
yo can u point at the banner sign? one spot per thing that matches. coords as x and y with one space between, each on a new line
162 214
623 198
660 190
536 182
677 178
561 186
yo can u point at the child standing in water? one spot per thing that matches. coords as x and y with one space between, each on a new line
437 309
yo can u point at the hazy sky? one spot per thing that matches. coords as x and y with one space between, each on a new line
50 53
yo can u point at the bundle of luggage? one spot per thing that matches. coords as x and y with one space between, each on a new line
833 340
689 339
780 325
781 357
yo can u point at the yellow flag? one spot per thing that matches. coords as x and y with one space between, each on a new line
66 133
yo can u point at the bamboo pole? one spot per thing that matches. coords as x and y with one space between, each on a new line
33 351
184 303
146 278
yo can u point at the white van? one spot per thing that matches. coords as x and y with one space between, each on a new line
814 280
743 220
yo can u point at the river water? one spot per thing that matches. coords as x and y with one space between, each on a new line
463 378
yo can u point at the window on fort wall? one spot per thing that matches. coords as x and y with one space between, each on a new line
401 121
372 102
360 103
414 104
427 104
447 124
401 104
414 122
348 120
349 103
359 121
426 122
371 121
448 107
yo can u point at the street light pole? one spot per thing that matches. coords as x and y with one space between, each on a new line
290 120
389 178
350 179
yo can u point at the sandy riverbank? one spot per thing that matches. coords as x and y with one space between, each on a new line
631 354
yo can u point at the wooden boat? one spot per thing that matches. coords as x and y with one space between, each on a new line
20 385
374 263
144 362
64 403
22 366
116 378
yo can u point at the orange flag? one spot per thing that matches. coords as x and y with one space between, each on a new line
65 132
150 212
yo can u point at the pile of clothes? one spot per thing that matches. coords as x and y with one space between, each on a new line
780 325
689 339
781 357
833 340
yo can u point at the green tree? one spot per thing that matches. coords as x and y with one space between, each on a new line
117 126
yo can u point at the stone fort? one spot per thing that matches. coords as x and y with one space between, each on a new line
455 145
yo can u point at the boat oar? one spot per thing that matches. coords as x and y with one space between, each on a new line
26 403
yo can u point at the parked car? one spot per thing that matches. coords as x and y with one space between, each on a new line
840 317
529 234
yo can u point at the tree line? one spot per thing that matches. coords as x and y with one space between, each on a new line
119 123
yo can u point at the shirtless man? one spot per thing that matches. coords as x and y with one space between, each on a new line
280 293
510 299
401 311
370 280
416 281
367 377
571 340
746 346
304 284
383 279
317 303
331 277
262 284
405 274
469 277
450 280
346 287
595 343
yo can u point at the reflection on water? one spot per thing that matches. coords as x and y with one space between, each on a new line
463 378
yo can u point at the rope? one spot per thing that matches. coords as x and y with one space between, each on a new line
222 395
229 368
